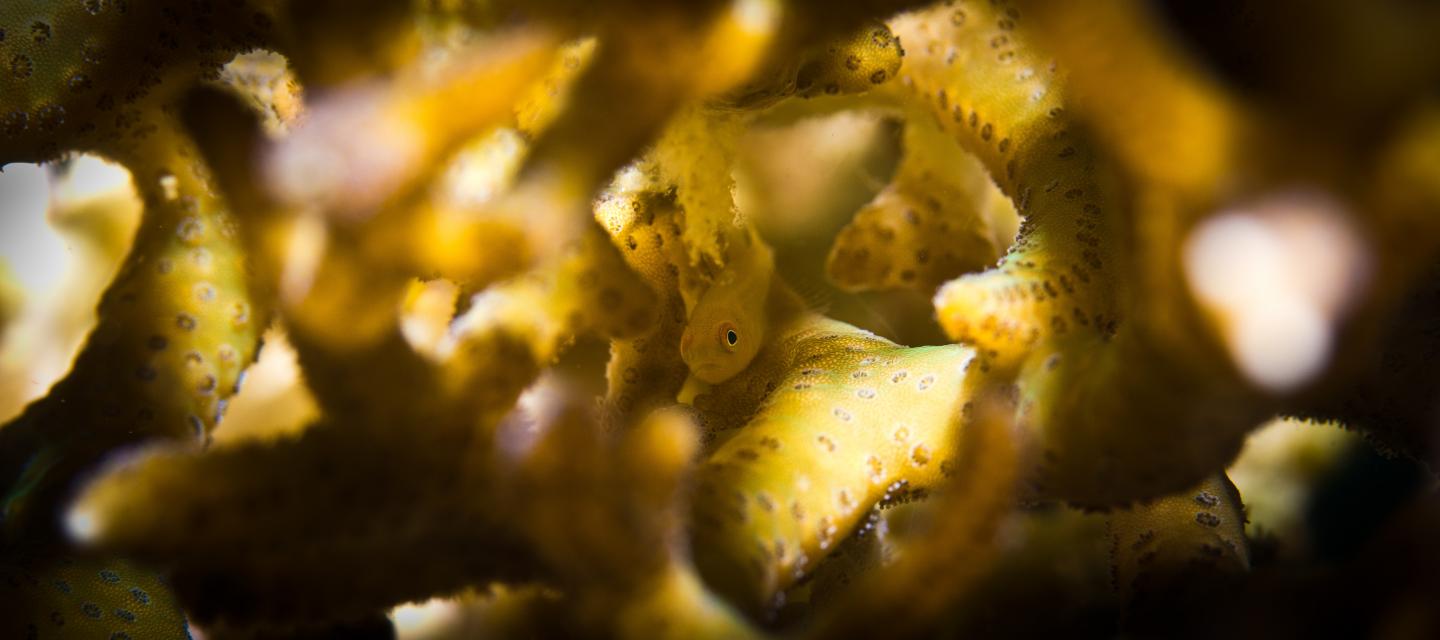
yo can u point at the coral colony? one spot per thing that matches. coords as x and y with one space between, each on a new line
587 319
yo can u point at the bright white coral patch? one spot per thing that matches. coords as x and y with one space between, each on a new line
1277 274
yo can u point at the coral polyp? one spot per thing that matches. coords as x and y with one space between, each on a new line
722 319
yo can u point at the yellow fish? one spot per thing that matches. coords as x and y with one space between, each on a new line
731 319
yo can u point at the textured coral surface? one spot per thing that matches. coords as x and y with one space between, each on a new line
485 318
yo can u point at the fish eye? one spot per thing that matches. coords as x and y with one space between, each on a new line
729 335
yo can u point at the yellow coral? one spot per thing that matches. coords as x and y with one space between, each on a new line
939 217
82 597
778 495
181 321
71 78
978 73
451 209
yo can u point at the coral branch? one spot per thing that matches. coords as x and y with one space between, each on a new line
824 447
176 329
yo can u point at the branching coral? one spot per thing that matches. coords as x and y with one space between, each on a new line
85 598
939 217
1071 185
825 443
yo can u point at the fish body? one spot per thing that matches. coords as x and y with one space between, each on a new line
731 320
